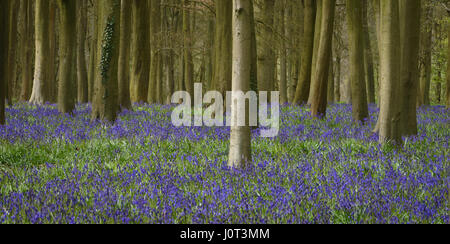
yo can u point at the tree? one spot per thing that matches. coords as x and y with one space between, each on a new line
266 57
357 74
26 33
12 46
223 46
304 82
154 95
368 57
283 55
426 44
124 56
187 51
82 78
240 136
140 51
448 66
389 71
315 49
41 71
67 56
4 38
105 106
409 72
319 101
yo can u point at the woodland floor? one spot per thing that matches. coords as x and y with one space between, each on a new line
58 168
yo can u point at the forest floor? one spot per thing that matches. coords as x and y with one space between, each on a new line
58 168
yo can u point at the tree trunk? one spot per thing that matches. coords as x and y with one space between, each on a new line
223 47
304 81
12 43
315 49
26 33
67 57
390 72
51 59
283 59
41 72
240 136
319 101
368 57
140 51
409 73
93 53
82 80
4 38
124 56
357 76
187 41
105 106
337 85
448 67
266 57
426 44
155 29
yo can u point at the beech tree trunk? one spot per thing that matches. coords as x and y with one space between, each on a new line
4 38
319 101
304 80
12 46
154 95
240 136
67 56
82 79
41 71
426 44
187 41
140 51
283 54
26 33
390 72
124 56
448 67
368 57
105 106
266 57
223 47
409 73
357 75
317 31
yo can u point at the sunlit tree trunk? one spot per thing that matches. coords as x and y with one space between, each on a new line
240 138
315 49
319 101
389 71
368 57
105 105
67 56
41 72
187 41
